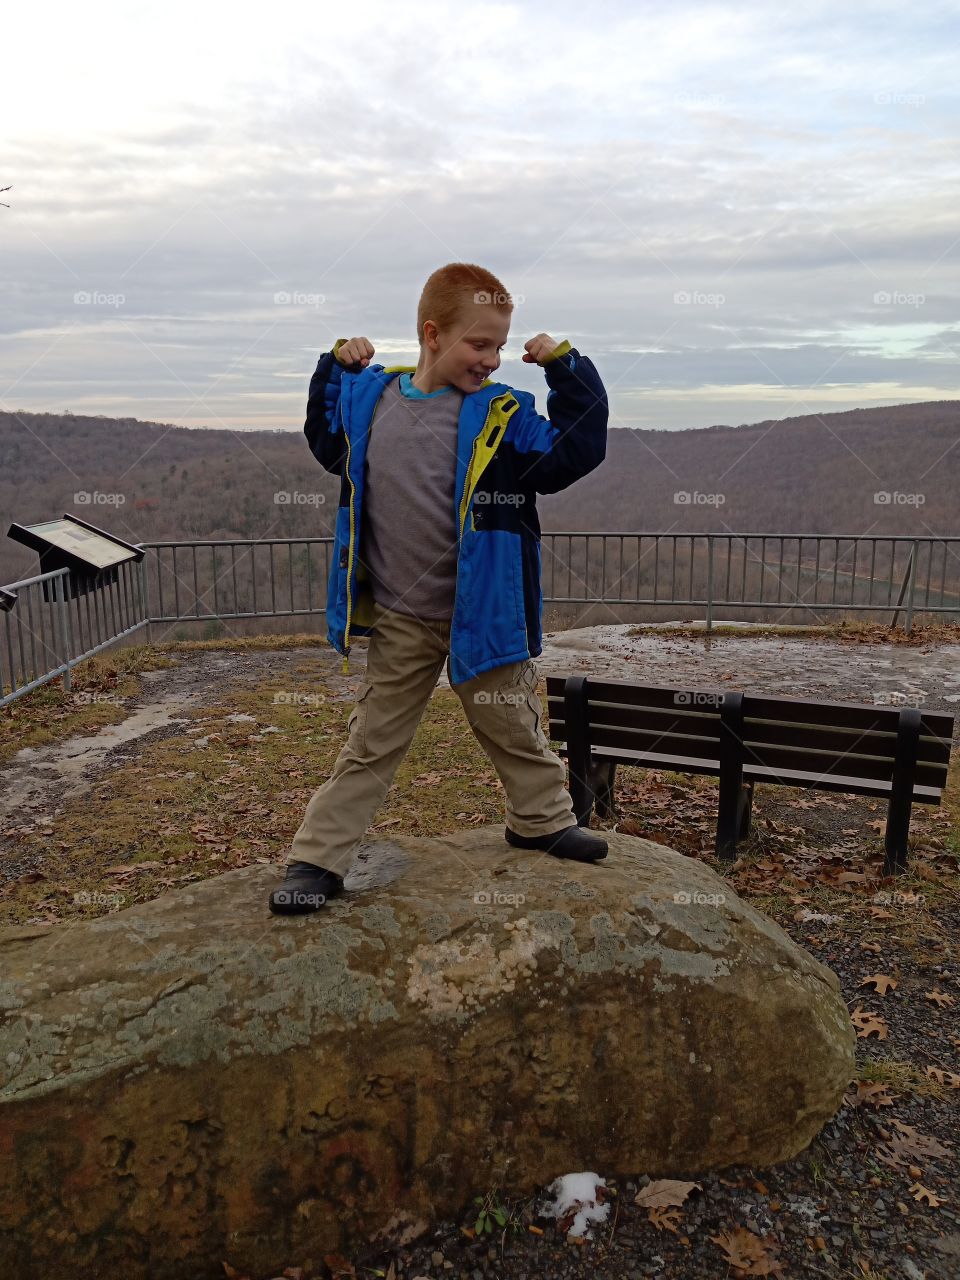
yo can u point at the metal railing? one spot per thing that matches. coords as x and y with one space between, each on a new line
759 573
48 628
820 574
244 578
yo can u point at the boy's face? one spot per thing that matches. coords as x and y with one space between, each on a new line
468 352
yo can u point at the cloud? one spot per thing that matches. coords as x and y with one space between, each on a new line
783 170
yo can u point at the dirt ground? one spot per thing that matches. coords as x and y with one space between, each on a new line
161 768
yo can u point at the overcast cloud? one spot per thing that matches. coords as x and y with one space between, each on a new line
738 211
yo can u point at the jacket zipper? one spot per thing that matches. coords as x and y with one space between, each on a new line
461 517
346 629
465 501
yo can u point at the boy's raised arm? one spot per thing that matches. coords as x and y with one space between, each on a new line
323 426
560 449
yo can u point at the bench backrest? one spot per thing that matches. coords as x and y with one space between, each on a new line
848 739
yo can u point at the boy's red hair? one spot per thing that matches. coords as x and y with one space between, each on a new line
449 287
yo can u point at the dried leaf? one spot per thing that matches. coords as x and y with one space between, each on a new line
940 998
921 1143
869 1024
663 1218
882 983
920 1192
749 1253
870 1093
947 1078
665 1193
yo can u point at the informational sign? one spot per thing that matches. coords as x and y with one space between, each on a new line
93 556
94 548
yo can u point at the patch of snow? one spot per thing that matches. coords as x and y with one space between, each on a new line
576 1192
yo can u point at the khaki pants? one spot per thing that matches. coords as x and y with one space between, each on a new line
404 660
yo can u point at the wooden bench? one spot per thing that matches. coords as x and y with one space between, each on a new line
899 754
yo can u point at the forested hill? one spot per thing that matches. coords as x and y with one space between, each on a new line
817 473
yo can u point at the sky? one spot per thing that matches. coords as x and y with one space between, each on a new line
738 211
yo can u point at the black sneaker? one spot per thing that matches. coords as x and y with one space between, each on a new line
576 843
306 887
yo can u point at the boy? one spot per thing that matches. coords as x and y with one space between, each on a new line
437 556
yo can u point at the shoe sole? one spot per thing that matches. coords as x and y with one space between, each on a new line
577 857
300 899
520 842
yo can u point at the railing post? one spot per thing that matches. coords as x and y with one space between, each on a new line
144 611
905 584
914 556
59 585
709 581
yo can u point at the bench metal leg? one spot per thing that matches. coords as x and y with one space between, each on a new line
578 747
733 821
730 813
901 793
746 810
602 780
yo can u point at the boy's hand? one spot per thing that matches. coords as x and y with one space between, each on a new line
355 351
538 348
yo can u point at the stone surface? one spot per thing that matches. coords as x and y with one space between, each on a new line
193 1079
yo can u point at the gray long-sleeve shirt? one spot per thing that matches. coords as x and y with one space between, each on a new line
408 537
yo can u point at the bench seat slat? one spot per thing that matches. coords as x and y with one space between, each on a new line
701 724
851 715
756 706
601 718
857 763
932 750
758 773
621 693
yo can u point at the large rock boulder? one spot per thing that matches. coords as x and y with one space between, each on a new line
193 1079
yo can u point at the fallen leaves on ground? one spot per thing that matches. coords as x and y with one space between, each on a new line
750 1254
881 983
869 1024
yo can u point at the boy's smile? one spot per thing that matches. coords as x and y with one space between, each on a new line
465 355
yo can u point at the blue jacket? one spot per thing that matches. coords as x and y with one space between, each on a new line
506 454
